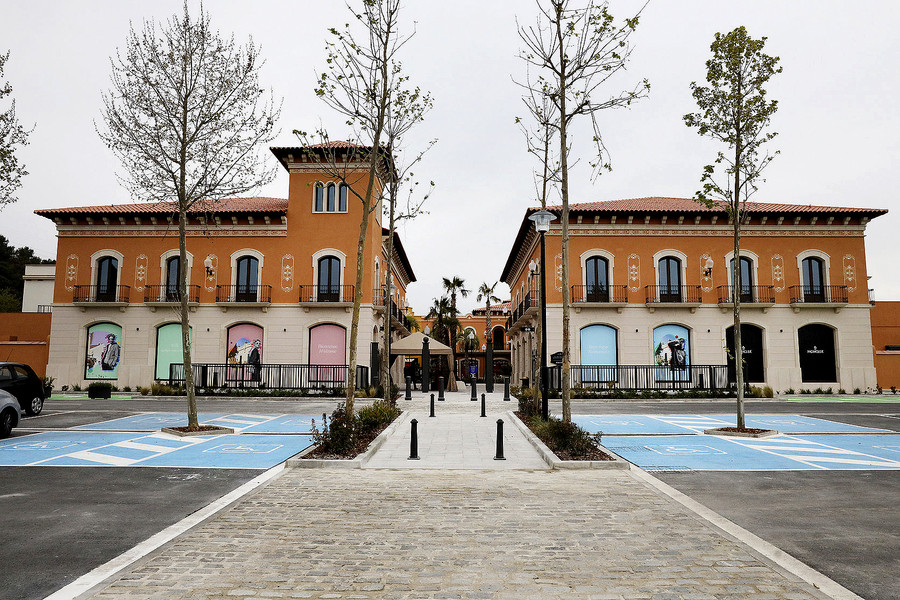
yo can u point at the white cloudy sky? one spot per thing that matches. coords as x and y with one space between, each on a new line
838 121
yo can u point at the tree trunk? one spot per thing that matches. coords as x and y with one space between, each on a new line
193 423
564 218
389 298
736 289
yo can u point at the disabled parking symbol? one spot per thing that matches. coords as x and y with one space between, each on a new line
674 450
41 446
248 448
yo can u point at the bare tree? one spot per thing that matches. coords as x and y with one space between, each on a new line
12 134
539 139
364 82
189 121
734 110
576 51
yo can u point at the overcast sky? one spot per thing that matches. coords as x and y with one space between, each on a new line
838 119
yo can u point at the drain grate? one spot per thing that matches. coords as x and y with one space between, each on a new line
668 468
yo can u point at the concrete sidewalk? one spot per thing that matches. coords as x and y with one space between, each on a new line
457 437
458 524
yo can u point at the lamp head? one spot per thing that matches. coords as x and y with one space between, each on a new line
541 220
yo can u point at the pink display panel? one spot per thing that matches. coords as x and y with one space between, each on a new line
327 346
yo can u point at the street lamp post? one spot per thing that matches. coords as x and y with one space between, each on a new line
541 220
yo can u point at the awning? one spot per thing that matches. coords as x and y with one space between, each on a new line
411 345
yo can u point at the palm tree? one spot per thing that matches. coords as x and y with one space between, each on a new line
454 285
410 321
468 343
441 320
487 292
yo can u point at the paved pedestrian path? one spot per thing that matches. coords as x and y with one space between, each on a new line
457 437
457 524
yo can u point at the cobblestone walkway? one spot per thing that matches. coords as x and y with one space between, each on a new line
342 534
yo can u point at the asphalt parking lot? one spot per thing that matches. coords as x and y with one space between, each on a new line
60 522
842 520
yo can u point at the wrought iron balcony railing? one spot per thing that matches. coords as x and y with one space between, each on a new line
101 293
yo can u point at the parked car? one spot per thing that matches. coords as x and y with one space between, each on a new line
21 381
9 413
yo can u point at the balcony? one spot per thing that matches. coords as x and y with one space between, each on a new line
101 296
156 296
397 311
614 296
819 296
754 296
673 296
247 296
527 308
326 296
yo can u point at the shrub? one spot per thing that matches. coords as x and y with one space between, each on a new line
76 388
893 389
337 433
564 438
127 388
160 389
144 391
375 417
857 391
789 391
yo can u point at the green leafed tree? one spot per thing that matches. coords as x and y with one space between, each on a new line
574 52
189 121
453 286
12 136
735 111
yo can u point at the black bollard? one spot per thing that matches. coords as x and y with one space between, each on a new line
506 389
414 441
440 389
474 392
499 440
482 406
432 406
408 388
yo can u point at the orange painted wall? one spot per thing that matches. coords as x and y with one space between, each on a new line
886 331
630 239
25 338
306 233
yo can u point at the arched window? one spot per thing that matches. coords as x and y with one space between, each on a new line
596 279
320 197
746 282
329 203
169 348
752 350
669 279
343 191
247 280
107 279
813 273
329 283
817 357
498 340
172 281
104 351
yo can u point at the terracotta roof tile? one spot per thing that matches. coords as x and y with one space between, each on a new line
225 205
663 204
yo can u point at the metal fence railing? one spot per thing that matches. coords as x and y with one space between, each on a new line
750 294
645 377
326 293
170 293
243 293
101 293
278 377
688 294
818 293
599 293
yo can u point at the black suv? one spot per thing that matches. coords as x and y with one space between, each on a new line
22 382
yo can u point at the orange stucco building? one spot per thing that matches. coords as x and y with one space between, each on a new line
271 280
650 284
886 343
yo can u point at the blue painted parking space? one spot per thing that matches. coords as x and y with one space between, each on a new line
713 453
120 449
680 424
245 423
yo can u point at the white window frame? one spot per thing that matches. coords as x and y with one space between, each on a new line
337 198
164 258
259 256
754 261
681 256
814 253
315 265
96 256
610 264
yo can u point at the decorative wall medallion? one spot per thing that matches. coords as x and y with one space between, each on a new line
706 278
211 266
778 272
71 271
850 272
140 271
287 272
558 272
634 272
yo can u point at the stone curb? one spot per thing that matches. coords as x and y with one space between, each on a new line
355 463
719 431
217 431
555 463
